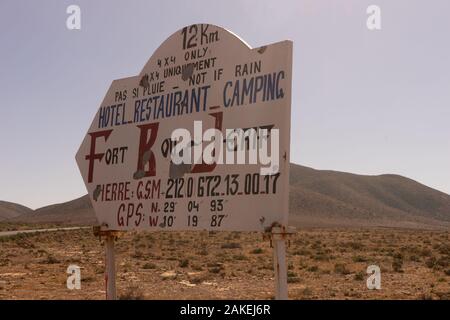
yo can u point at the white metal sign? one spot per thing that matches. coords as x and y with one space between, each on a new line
202 77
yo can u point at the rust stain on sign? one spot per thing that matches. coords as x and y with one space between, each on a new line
96 192
146 156
262 220
178 170
187 71
144 81
139 174
262 49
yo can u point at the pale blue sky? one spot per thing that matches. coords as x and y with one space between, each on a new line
367 102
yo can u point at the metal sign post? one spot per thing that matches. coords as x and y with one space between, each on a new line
109 237
278 237
110 275
279 260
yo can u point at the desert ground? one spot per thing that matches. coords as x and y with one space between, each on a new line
322 264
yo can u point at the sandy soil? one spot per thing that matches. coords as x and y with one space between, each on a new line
323 264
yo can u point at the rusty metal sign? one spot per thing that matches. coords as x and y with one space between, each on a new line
202 77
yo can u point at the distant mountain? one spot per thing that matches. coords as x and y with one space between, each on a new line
332 198
322 198
78 211
9 210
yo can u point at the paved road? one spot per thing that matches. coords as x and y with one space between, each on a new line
13 233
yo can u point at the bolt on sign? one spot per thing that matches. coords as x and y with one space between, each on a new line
198 140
